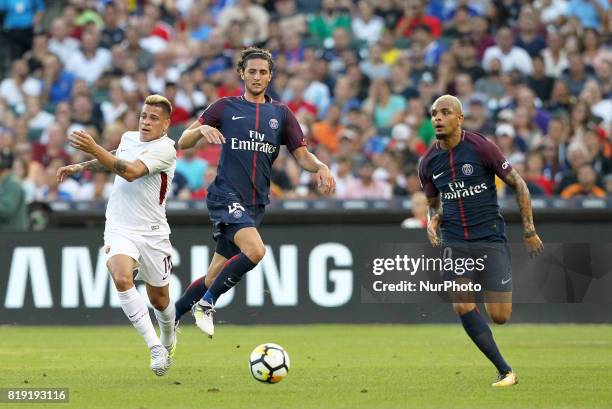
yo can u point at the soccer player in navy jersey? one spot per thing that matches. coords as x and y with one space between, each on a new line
251 128
458 175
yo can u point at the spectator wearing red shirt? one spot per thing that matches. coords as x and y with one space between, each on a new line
414 15
53 149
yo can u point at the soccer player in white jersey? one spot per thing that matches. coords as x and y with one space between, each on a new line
136 235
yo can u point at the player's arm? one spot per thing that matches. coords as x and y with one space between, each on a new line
523 199
92 165
196 131
130 171
434 218
309 162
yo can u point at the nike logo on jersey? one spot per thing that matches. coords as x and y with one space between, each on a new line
506 281
438 175
236 117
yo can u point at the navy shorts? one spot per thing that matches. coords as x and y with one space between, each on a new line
490 265
228 215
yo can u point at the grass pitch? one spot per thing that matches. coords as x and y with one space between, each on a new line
332 366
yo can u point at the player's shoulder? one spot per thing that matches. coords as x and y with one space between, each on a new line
476 138
429 154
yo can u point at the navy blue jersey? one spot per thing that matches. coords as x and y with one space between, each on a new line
253 135
464 178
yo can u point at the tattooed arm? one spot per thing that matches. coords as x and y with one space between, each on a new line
434 218
530 237
92 165
130 171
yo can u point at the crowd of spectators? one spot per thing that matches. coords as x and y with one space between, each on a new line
534 76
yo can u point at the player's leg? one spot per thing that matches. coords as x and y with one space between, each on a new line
159 297
252 250
155 271
499 308
477 327
196 290
121 268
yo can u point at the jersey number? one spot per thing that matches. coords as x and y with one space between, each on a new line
167 265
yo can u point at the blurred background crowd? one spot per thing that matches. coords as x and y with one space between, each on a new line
534 76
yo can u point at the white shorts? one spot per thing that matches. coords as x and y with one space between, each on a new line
152 255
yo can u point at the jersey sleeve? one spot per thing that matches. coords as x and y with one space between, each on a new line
292 135
426 181
158 158
494 159
213 115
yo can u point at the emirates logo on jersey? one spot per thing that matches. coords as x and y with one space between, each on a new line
256 143
458 189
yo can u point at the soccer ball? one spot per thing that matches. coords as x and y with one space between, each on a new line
269 363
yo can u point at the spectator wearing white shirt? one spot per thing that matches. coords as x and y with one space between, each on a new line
551 11
555 57
90 62
510 56
15 88
60 43
366 25
115 107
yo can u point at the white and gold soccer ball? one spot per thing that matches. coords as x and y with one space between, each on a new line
269 363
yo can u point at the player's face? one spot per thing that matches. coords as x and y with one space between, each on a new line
256 76
445 119
153 123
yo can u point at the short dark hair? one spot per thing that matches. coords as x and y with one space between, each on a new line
252 53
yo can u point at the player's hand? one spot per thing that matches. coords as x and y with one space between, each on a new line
82 141
325 180
67 171
534 245
211 135
432 230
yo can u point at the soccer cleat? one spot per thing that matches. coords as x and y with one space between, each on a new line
160 362
203 313
171 349
506 379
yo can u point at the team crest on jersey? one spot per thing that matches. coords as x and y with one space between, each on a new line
236 209
467 169
273 123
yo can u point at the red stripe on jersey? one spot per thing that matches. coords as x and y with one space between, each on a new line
461 211
254 171
257 116
163 188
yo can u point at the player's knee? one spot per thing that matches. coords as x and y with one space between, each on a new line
463 308
256 253
159 303
501 317
123 282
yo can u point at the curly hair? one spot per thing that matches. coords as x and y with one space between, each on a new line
251 53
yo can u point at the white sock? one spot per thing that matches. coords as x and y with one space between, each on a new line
136 310
165 319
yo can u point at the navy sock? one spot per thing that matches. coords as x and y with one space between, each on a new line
478 329
192 294
230 275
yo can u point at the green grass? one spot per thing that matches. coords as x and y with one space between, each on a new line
332 366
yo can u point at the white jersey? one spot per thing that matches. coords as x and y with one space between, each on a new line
140 206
